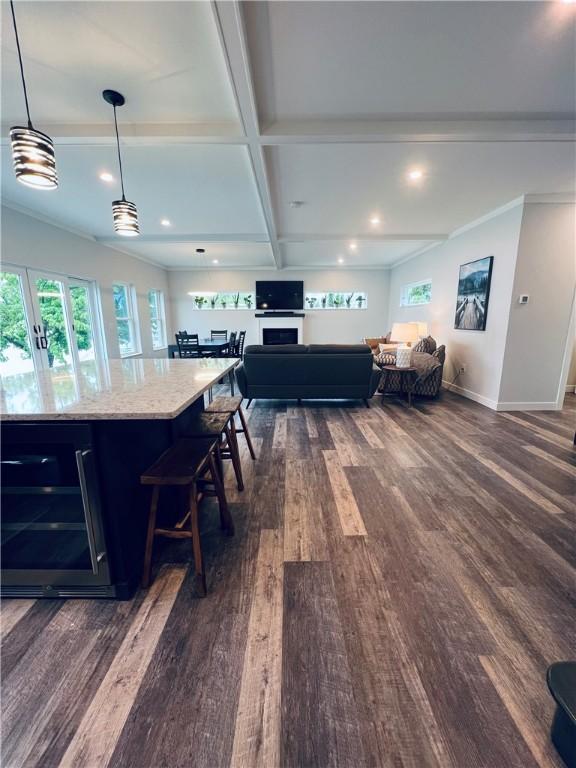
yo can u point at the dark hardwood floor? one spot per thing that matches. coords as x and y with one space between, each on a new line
399 581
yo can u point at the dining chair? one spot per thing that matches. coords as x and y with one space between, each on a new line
187 345
231 350
219 335
240 345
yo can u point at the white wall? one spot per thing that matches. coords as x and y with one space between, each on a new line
482 352
29 242
320 326
539 332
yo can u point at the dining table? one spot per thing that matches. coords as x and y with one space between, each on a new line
216 346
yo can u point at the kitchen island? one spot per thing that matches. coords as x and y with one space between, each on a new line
74 443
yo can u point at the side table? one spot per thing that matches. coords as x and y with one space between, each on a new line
407 380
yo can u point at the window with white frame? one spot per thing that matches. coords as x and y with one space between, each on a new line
413 294
157 319
126 319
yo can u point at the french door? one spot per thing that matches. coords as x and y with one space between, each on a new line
47 320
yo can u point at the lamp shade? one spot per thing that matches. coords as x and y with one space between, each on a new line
33 157
125 218
404 332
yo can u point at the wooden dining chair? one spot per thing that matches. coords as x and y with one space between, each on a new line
188 345
240 345
231 350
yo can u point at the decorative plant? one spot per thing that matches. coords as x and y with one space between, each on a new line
337 300
311 301
248 301
236 300
213 301
223 302
199 301
360 300
349 300
323 301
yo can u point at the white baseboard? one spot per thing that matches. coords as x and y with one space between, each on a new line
499 405
527 406
470 395
571 388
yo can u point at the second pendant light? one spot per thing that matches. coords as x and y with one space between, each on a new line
124 213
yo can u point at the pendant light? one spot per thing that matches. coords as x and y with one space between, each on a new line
124 213
32 150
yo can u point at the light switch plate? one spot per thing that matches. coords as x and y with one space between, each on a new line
524 298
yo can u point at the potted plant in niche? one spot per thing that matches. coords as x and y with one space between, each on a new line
213 301
248 301
323 301
224 301
337 300
311 301
199 301
360 300
349 300
236 300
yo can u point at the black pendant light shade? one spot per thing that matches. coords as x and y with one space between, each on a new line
33 156
32 150
125 218
124 213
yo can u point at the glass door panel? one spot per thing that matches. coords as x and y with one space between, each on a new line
83 320
16 347
52 316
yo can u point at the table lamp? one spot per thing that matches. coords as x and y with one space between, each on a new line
405 333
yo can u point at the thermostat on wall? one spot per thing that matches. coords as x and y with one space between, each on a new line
523 298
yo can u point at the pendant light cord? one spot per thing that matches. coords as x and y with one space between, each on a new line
21 65
119 156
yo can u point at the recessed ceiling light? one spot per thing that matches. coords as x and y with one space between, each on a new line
415 174
165 222
105 176
200 250
214 261
353 246
340 260
375 220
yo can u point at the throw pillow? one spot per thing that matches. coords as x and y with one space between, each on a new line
421 346
386 358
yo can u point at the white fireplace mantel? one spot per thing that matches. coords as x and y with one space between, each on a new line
270 321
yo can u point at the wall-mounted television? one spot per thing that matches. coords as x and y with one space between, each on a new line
279 294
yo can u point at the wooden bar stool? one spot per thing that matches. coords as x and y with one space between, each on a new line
233 405
219 425
190 464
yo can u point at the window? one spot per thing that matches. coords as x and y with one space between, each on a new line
126 319
413 294
157 319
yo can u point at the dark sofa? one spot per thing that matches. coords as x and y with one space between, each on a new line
324 371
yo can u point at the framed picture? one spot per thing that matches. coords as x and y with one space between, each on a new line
473 294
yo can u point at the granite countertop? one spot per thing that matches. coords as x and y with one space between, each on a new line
115 389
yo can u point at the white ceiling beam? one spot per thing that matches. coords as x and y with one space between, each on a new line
193 238
142 134
421 130
369 238
230 25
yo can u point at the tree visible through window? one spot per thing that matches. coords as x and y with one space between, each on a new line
124 306
416 293
157 319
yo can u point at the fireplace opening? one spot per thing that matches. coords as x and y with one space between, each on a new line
280 335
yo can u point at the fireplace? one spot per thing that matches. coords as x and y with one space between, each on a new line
280 335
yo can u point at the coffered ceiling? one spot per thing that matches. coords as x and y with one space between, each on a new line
283 134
